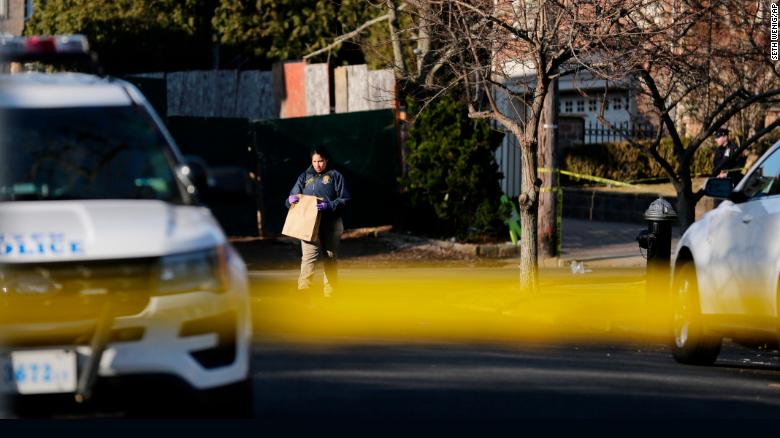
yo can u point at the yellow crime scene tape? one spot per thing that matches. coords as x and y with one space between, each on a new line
599 179
666 178
612 182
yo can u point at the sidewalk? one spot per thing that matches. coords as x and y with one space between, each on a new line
595 243
604 244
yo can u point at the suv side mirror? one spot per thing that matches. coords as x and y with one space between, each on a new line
718 188
198 174
219 183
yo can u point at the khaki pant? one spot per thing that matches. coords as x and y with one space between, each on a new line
327 248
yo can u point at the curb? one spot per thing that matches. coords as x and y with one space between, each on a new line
481 250
485 250
508 250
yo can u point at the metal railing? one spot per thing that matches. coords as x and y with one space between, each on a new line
597 133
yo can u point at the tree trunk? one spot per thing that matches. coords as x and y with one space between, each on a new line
686 205
423 39
549 232
686 200
398 57
528 199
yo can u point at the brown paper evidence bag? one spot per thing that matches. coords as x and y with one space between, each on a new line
303 219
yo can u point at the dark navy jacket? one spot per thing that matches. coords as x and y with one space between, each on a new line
329 185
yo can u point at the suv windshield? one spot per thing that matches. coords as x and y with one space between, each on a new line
84 153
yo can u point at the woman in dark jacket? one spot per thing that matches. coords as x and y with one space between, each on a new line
328 185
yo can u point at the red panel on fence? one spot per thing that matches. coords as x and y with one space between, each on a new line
293 103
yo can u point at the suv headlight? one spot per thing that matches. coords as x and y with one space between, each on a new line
205 270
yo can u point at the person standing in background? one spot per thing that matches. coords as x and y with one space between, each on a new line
728 163
329 186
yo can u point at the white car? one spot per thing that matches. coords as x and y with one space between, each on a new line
727 265
109 266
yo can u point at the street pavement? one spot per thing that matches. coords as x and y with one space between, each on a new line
452 385
456 343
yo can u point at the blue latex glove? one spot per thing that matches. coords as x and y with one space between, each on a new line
323 205
292 199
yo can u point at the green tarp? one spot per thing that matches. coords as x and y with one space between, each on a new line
363 145
223 143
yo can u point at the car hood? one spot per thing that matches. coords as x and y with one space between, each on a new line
50 231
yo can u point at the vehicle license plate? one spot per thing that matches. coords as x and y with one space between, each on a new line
38 371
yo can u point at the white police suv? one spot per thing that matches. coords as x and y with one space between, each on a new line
727 267
109 267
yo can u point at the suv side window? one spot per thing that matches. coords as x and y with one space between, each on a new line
765 179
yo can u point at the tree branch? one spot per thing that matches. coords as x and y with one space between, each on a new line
501 23
651 150
659 103
398 57
347 36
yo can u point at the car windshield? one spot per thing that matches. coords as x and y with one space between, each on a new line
113 152
764 180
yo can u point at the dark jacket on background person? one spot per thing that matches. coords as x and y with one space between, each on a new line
733 162
329 185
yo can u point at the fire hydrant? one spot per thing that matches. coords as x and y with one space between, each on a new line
657 240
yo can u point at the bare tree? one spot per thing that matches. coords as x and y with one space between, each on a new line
711 69
505 54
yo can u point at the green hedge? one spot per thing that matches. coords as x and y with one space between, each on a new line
451 187
623 162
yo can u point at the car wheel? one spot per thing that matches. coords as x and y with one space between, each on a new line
691 343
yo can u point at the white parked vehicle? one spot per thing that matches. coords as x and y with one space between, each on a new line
109 266
727 266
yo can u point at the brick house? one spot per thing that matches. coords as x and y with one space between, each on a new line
580 99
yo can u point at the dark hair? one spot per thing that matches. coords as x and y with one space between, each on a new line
321 151
721 132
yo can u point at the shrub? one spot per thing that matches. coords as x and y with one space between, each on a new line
623 162
451 186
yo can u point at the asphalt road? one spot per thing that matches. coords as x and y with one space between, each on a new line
474 383
363 381
367 373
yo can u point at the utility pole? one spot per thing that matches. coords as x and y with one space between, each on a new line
549 240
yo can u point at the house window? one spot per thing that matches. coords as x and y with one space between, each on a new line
617 103
28 9
3 9
580 106
568 106
592 105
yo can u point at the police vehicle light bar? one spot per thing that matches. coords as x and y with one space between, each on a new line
31 48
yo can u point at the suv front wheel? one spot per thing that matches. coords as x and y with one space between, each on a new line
691 343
